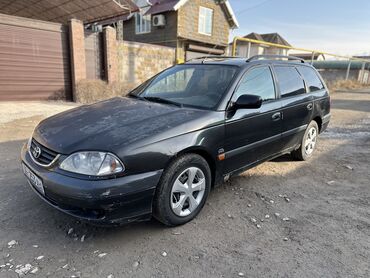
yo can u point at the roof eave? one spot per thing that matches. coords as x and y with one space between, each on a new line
179 4
232 15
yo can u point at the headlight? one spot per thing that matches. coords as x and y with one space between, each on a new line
92 163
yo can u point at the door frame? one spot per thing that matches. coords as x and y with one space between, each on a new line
229 120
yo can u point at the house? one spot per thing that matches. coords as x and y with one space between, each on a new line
246 49
194 27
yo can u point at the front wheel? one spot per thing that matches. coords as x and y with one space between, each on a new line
308 143
183 190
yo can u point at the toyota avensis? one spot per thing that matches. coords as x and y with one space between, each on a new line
161 149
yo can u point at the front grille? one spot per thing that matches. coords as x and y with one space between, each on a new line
41 154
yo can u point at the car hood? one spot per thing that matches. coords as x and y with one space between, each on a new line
113 124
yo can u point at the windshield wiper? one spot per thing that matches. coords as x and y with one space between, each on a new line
134 96
163 100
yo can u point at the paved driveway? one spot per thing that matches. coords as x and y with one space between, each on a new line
326 208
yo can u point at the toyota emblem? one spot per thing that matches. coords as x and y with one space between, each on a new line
36 152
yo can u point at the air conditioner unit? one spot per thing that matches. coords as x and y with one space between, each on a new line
159 20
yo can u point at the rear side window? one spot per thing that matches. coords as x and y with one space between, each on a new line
290 82
312 80
257 81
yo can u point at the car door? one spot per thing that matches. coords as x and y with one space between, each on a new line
297 105
253 134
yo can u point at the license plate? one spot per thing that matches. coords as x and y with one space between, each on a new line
33 179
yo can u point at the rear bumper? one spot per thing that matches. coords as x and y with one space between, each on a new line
104 202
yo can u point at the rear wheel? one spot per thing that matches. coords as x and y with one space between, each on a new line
183 190
308 144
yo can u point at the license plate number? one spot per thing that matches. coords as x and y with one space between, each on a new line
33 179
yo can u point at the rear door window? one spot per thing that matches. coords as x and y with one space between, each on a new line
290 81
313 81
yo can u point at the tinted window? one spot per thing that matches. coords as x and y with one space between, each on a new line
290 82
312 80
257 81
201 86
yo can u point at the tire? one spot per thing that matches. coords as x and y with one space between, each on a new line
174 202
305 152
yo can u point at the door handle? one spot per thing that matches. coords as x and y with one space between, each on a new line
276 116
309 106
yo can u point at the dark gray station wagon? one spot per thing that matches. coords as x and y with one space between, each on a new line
160 150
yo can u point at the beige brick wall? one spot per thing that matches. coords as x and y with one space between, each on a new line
188 22
77 48
137 62
110 43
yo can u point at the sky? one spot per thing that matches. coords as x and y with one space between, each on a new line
336 26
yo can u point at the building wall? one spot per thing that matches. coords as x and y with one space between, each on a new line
137 62
275 51
242 50
188 17
256 49
166 35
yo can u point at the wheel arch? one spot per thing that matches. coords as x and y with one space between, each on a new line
318 120
205 154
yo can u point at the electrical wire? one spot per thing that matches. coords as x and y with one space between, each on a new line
253 7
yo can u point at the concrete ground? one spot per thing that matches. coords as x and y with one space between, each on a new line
280 219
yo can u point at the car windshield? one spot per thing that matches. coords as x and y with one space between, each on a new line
200 86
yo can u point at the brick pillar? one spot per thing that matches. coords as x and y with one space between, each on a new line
120 30
77 49
111 65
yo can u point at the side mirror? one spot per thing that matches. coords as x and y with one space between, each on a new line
248 102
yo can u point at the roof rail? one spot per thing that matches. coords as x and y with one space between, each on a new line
274 57
214 57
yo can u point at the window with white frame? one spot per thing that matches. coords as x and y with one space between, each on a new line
142 23
205 21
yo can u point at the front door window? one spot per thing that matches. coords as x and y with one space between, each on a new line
257 81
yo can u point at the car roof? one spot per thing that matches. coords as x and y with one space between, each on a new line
244 62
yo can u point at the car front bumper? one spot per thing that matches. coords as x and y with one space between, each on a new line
103 202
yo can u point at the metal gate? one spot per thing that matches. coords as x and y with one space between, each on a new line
34 60
94 45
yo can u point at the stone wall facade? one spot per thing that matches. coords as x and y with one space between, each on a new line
137 62
181 29
163 35
188 19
